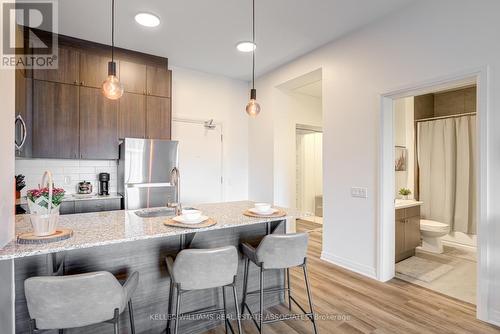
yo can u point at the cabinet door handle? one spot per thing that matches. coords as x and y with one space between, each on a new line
75 82
82 83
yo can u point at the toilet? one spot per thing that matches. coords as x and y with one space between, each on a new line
432 231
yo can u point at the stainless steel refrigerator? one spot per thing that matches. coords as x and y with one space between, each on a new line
144 172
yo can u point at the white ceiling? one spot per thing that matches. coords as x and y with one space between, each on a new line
202 34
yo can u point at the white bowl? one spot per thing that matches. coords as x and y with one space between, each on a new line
191 214
262 207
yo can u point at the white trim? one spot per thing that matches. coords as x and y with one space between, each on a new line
385 223
349 265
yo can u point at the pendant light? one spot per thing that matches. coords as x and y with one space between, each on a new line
111 87
253 108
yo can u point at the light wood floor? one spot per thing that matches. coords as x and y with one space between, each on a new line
370 306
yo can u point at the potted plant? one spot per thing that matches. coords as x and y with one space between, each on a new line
44 206
20 184
405 192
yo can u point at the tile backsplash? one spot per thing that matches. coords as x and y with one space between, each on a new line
67 173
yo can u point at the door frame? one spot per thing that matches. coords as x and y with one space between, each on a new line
386 214
217 123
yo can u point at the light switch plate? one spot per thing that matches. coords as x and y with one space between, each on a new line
359 192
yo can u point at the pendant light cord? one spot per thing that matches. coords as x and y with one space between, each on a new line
112 30
253 41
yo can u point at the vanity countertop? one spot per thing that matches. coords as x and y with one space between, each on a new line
406 203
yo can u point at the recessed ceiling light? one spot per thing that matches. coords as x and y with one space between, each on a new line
246 46
147 19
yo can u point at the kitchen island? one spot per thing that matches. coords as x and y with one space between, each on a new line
122 242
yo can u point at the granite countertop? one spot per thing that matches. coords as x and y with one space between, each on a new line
75 197
111 227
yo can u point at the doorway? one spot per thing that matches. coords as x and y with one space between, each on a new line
386 228
309 173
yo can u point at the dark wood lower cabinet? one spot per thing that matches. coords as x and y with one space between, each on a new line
98 125
132 116
55 120
158 117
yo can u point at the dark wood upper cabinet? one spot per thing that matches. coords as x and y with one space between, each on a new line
132 116
66 114
67 71
158 81
55 120
94 69
158 117
98 125
133 77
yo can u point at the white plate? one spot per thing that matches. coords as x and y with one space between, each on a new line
257 212
183 220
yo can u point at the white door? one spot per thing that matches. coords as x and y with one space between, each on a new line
200 161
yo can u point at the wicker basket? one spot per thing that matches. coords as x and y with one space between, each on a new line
44 219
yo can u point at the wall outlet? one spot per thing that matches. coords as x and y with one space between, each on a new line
359 192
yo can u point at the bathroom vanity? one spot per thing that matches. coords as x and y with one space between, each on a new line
407 228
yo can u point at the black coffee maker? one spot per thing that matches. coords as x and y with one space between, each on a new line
104 184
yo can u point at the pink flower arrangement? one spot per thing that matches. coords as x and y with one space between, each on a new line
57 196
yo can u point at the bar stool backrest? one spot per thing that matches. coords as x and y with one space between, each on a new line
279 251
57 302
196 269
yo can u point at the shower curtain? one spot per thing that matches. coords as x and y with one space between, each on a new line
446 153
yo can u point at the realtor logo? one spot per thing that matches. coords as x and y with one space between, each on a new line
24 43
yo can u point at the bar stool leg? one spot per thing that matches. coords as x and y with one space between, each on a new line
225 308
116 321
238 315
245 285
289 289
170 302
131 316
177 310
261 302
309 297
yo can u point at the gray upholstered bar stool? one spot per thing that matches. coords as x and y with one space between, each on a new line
281 251
197 269
60 302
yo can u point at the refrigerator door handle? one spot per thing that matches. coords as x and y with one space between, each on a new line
148 185
19 146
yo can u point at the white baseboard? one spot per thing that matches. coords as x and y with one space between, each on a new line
494 319
349 265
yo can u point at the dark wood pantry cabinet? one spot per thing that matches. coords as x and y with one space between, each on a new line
68 116
132 116
55 120
158 117
67 71
98 125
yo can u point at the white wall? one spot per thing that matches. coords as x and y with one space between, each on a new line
427 40
404 135
7 89
7 96
202 96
